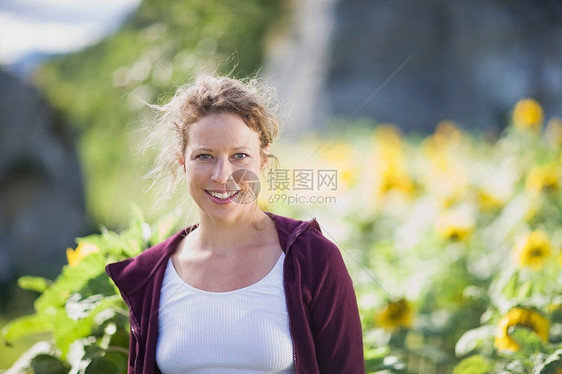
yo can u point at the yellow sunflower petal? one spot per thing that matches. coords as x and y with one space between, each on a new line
84 249
524 317
528 114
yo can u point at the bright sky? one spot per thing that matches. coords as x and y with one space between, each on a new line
56 26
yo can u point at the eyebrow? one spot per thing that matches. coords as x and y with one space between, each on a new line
205 149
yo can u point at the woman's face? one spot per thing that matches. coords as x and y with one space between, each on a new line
218 145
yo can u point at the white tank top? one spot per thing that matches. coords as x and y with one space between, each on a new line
234 332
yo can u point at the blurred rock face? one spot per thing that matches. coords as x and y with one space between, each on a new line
414 63
41 192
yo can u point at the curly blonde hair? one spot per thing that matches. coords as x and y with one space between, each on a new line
208 94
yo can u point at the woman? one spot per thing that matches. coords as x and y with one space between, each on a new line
243 290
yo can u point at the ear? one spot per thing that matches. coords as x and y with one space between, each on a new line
181 161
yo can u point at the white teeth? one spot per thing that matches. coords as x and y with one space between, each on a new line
222 195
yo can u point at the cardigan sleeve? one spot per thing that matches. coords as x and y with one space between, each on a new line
334 314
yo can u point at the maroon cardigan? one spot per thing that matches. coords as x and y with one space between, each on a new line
323 315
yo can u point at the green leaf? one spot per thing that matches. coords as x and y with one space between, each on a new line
71 280
89 267
100 285
391 363
552 365
529 341
126 244
525 290
511 286
27 325
516 366
374 357
38 284
474 339
104 362
120 340
67 330
47 364
23 363
473 365
101 364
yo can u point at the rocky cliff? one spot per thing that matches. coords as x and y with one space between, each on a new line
41 190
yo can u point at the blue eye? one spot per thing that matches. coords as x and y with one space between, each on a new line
204 156
240 156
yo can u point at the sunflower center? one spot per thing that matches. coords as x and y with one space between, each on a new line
536 252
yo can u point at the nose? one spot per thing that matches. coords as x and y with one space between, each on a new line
222 171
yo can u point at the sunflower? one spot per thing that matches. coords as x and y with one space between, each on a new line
341 157
446 176
455 225
447 132
389 159
84 249
533 250
395 314
544 177
528 114
489 201
388 134
523 317
393 176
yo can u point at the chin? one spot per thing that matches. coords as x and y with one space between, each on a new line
231 214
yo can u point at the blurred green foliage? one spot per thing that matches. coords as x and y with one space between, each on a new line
100 91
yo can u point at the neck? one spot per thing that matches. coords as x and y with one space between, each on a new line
221 236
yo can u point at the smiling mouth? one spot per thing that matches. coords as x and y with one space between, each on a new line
222 195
